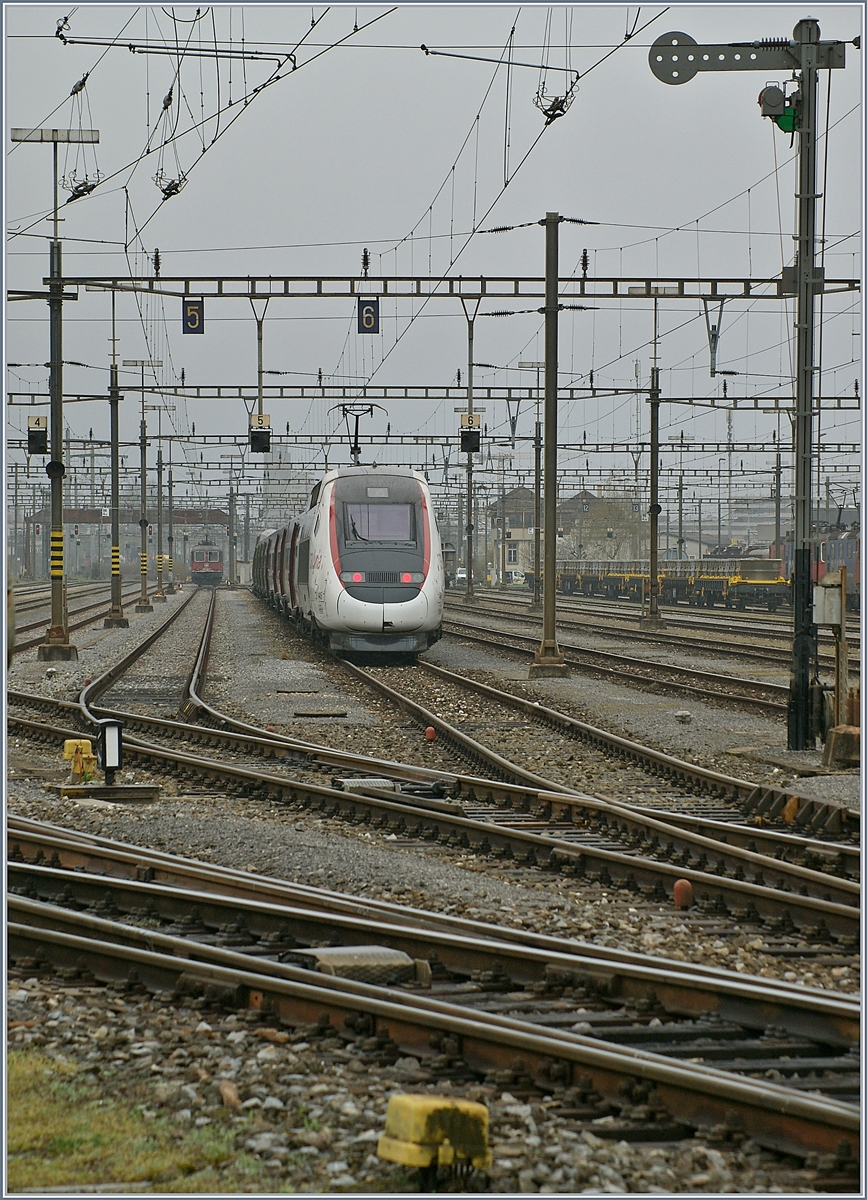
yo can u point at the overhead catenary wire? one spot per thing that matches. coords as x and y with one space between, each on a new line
275 77
527 154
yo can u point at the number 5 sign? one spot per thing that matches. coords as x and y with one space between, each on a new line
194 315
368 314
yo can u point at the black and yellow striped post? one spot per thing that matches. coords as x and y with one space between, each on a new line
56 554
144 604
159 594
115 618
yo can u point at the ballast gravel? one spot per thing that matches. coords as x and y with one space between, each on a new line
309 1108
306 1109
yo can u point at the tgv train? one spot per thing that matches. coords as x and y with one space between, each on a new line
362 569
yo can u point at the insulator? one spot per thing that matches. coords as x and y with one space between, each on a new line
502 313
365 260
585 262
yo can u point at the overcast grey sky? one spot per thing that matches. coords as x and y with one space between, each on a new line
373 144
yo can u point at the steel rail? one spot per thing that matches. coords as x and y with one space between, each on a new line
635 824
599 660
80 624
193 874
746 792
832 1018
275 745
570 613
760 624
640 825
39 596
776 1116
762 799
752 900
104 681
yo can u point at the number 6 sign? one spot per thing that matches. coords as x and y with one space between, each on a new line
368 314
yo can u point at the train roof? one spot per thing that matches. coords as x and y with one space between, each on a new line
372 469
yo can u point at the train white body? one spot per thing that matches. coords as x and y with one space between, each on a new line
362 569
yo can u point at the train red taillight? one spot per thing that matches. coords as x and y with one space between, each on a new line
352 576
412 577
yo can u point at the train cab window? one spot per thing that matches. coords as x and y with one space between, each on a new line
213 556
198 556
393 523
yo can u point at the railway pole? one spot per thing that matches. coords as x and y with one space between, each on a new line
502 554
549 661
801 731
651 616
160 595
676 58
143 605
170 539
231 579
471 321
247 527
699 553
57 646
537 496
115 618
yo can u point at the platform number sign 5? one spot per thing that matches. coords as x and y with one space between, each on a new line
194 315
368 314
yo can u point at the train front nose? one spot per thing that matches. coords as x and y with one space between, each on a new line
372 608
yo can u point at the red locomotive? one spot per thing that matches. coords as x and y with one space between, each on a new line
206 564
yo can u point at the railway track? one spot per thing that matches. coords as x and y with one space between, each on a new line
656 676
528 822
35 597
80 622
665 1047
749 622
571 617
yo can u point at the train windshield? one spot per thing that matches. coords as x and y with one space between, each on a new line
378 522
385 513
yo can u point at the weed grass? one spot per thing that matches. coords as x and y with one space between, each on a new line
62 1131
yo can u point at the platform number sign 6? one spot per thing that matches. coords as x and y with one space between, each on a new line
368 314
193 315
